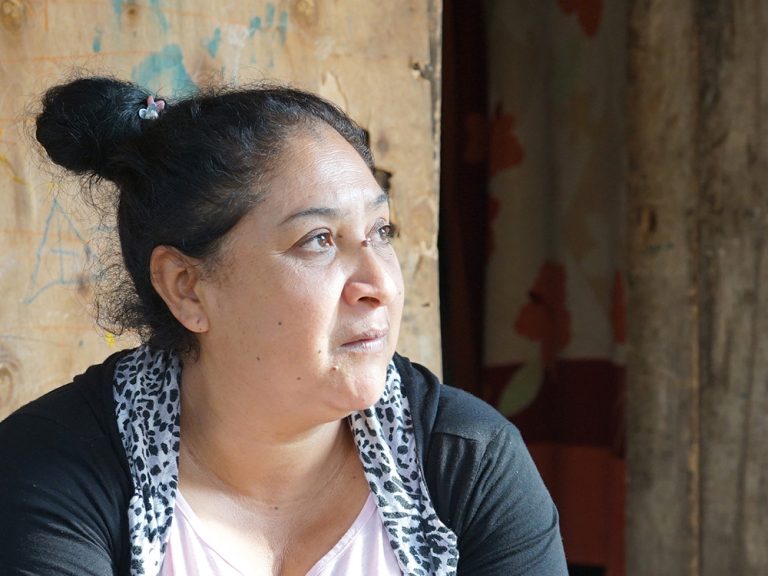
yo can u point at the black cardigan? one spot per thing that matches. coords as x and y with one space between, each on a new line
65 484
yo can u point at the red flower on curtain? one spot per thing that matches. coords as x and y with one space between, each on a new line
505 148
589 13
545 317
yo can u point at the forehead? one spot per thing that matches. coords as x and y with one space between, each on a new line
320 166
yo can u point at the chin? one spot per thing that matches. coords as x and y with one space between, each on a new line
366 389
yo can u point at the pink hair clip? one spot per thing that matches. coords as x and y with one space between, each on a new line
153 109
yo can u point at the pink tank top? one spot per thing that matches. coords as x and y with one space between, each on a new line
364 548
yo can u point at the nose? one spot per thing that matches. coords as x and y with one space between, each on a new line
376 278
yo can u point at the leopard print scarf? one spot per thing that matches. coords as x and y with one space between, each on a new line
146 393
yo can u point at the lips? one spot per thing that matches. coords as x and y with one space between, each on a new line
370 339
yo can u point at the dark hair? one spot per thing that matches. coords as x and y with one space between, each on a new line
183 180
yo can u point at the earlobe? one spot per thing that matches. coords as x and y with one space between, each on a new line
176 278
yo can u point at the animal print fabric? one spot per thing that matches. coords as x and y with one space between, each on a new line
146 393
386 444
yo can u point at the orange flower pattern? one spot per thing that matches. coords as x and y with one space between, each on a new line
506 151
545 318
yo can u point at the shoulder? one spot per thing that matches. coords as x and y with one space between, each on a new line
482 481
63 473
67 433
439 409
80 411
457 437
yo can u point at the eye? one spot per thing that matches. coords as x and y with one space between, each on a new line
383 233
318 242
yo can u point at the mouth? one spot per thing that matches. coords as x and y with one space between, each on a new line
372 340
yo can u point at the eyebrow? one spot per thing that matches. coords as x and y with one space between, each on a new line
383 198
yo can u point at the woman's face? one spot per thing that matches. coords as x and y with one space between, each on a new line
306 303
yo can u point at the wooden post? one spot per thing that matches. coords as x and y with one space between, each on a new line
662 360
733 208
698 368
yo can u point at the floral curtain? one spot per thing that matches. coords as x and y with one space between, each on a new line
554 327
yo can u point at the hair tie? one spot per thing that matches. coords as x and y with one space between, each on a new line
153 109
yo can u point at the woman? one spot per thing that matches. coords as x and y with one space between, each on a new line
267 425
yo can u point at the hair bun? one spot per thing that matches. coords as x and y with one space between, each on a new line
84 123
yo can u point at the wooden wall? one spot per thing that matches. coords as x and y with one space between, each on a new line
697 429
379 61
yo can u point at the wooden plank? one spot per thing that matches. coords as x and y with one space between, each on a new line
379 61
734 287
662 359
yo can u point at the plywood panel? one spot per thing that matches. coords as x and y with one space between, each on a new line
379 61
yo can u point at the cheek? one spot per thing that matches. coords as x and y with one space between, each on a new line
397 277
400 281
252 306
306 302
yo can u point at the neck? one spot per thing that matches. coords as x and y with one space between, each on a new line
234 443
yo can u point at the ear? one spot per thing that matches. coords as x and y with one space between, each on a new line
176 277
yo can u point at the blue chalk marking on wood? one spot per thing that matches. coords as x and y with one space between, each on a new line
51 256
213 44
164 70
268 23
162 20
254 26
97 42
282 27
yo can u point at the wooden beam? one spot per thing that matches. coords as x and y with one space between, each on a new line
733 286
662 362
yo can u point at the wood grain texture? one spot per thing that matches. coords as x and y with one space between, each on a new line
379 61
662 359
698 371
734 287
